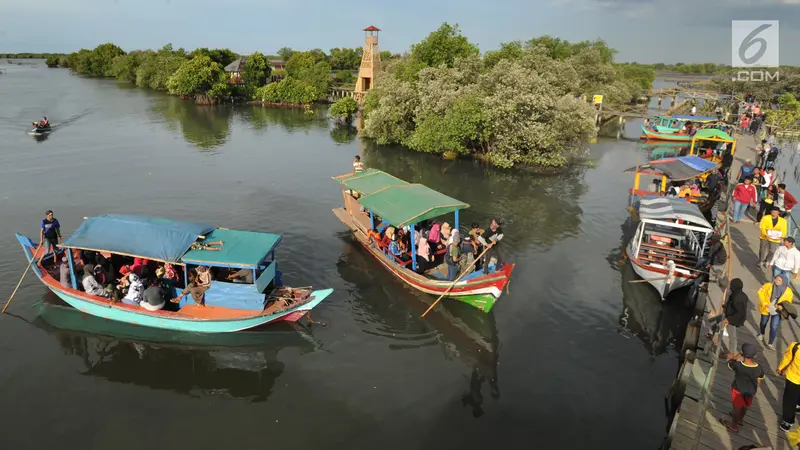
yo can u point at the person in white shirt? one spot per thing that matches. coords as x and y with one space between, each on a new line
769 176
694 110
786 260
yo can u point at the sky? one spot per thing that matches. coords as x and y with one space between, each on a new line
646 31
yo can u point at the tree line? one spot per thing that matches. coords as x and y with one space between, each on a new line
522 104
28 55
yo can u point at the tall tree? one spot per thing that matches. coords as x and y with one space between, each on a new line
256 70
443 46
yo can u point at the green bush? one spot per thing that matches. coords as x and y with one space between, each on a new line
344 109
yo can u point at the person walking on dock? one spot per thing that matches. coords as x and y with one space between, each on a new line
786 260
790 368
770 297
773 230
734 314
747 376
743 195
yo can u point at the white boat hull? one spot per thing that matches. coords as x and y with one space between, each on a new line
661 282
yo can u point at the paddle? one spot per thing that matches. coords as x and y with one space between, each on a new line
33 258
456 281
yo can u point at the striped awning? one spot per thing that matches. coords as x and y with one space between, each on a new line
672 208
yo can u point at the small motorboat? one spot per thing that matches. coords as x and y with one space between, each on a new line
40 130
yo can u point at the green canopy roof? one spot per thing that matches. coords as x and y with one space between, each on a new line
239 248
369 181
407 204
713 133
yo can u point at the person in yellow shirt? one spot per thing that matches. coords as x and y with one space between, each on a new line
770 297
773 230
790 368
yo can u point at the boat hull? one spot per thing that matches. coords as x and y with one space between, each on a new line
197 319
39 131
656 277
672 136
481 292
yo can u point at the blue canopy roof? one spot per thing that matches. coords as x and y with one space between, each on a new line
146 237
697 163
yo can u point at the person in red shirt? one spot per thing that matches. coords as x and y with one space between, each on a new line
788 200
743 195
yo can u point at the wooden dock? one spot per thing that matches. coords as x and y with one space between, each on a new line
707 379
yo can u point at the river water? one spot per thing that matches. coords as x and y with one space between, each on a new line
574 357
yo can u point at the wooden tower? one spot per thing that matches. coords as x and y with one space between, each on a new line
370 63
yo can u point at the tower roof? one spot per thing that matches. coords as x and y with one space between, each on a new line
372 28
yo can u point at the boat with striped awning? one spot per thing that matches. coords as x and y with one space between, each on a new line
671 245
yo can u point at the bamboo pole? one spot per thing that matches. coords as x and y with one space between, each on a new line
33 258
456 281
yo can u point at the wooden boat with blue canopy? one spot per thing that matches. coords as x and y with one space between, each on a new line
674 170
227 306
706 144
673 124
372 194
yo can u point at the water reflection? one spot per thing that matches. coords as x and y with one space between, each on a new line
205 127
392 310
547 204
343 134
289 119
241 365
659 325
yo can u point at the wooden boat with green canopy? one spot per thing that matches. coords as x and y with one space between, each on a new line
706 144
377 202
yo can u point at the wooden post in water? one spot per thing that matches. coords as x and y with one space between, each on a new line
660 98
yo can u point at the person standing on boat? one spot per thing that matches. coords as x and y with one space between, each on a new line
491 239
743 195
453 257
50 234
358 166
786 260
773 230
770 297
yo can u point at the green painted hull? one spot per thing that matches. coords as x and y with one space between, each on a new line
484 302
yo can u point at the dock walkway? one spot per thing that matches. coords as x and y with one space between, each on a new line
707 397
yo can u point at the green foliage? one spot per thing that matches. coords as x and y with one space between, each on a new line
345 58
97 62
304 66
344 78
221 56
344 109
386 55
52 60
285 53
199 77
28 55
443 46
288 90
124 67
788 113
256 71
517 105
156 69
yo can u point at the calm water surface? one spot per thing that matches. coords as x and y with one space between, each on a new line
574 357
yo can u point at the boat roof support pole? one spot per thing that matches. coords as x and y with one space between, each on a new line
71 269
414 247
371 221
456 220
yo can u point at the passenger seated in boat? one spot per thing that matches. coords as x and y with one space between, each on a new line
423 253
90 284
386 239
198 292
153 296
241 276
695 190
446 232
63 271
685 191
394 247
136 289
375 236
655 186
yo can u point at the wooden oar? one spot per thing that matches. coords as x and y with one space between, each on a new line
33 258
456 281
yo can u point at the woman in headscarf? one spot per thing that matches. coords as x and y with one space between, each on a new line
770 297
423 252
